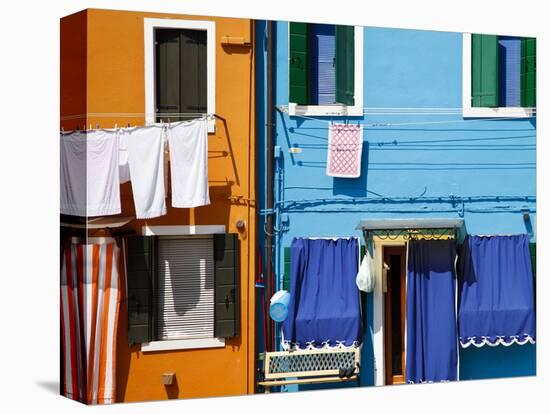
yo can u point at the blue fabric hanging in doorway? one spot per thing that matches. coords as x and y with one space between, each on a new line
431 353
324 308
496 291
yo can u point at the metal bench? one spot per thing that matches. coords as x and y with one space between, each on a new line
313 366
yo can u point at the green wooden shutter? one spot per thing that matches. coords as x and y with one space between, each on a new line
167 73
484 70
298 63
345 73
528 72
226 285
193 71
141 276
286 276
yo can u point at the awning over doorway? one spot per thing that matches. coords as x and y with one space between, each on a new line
409 223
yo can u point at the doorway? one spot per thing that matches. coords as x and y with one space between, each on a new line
394 292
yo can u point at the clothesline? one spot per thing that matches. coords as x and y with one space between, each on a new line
134 115
93 167
150 125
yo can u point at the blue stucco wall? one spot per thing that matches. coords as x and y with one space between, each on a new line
435 166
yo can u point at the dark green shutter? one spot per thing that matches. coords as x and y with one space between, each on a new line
141 276
298 63
528 72
193 73
484 70
180 72
226 284
345 73
286 276
167 73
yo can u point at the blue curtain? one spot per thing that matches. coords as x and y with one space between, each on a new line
431 317
324 303
496 291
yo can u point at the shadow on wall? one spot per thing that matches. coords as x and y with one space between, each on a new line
354 187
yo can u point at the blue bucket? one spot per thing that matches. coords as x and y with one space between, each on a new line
278 308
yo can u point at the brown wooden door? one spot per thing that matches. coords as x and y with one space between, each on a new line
394 314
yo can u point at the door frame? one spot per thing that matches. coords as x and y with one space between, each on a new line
378 305
388 324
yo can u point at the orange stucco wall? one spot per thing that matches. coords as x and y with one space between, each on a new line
114 79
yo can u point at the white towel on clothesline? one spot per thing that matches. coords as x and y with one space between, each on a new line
146 162
189 163
123 166
89 173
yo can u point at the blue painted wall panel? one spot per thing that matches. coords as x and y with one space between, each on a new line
429 165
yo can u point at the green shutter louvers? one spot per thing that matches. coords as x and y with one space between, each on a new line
141 276
528 72
286 277
226 285
298 63
345 73
484 70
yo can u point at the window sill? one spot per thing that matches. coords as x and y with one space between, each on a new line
181 344
324 110
498 112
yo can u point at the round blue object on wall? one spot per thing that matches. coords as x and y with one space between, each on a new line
278 309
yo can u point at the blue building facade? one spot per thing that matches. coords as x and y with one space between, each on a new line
422 158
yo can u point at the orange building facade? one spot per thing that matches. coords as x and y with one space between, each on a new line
104 83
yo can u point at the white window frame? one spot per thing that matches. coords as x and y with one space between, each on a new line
482 112
149 38
180 344
338 109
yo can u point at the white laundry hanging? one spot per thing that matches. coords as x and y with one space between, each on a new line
123 165
189 163
146 162
89 173
345 144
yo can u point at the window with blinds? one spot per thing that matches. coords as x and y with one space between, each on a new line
503 71
321 64
185 295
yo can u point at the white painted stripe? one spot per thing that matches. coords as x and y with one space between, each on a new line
67 327
88 298
76 317
108 392
99 321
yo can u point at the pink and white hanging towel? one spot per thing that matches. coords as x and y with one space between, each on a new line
345 144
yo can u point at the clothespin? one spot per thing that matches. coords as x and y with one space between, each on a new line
116 126
96 126
90 128
62 130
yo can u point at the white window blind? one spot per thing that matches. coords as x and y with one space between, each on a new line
185 307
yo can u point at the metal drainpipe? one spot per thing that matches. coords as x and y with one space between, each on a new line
269 181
